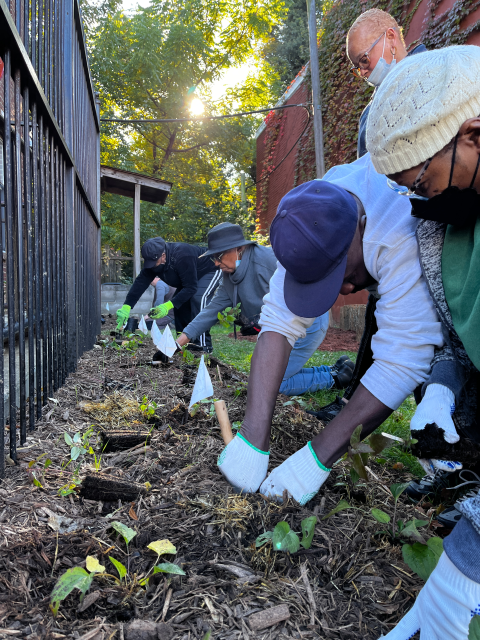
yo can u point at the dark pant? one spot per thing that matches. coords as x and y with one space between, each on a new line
207 285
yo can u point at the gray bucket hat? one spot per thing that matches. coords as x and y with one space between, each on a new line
225 236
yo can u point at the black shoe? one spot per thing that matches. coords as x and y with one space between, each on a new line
342 372
329 411
429 485
191 346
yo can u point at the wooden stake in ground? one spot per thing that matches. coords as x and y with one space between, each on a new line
223 420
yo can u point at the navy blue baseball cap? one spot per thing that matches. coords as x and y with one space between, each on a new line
152 250
311 235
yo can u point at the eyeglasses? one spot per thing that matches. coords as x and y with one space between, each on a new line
217 257
364 60
405 191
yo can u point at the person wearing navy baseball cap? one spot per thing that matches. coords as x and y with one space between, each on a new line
340 234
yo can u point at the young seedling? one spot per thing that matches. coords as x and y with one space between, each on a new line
34 472
284 539
228 315
359 452
148 407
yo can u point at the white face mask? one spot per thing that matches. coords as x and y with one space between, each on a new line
381 69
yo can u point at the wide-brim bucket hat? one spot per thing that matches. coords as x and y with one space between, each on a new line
225 236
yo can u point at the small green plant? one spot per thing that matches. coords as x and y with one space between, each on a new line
423 557
359 452
228 315
284 539
187 355
197 406
399 529
81 579
36 473
297 400
148 407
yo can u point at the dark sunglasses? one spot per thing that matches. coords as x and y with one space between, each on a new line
364 60
217 257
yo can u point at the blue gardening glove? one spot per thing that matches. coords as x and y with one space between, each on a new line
437 407
122 316
161 311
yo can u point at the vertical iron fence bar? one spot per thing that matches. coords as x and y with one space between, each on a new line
37 259
41 40
43 214
7 141
7 177
53 261
48 249
19 181
33 36
26 25
29 261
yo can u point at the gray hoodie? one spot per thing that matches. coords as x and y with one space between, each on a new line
247 285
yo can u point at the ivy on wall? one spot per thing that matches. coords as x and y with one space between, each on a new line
343 96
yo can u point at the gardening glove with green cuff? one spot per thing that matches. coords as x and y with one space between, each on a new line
243 465
302 475
161 311
122 316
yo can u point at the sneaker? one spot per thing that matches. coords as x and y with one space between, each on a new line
329 411
429 485
342 372
449 517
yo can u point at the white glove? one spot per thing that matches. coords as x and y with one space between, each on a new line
443 609
437 407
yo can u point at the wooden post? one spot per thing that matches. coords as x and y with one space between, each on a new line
136 231
223 420
316 99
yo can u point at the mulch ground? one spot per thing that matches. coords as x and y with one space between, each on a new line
335 340
355 584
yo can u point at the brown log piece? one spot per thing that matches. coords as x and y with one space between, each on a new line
268 617
96 486
431 444
121 439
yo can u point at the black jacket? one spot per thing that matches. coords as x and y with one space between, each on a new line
182 270
362 127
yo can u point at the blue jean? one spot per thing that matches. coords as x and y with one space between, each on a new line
298 380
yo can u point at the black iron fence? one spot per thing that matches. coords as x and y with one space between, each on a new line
50 290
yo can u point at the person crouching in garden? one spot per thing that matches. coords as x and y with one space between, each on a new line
247 269
423 132
179 265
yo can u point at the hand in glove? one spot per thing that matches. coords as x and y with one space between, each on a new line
122 316
161 311
437 407
243 465
444 607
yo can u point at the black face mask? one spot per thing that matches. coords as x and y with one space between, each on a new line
453 206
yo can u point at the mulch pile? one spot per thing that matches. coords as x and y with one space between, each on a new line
350 584
335 340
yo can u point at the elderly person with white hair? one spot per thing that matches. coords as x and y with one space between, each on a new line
423 132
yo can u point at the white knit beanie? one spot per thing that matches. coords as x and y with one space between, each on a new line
421 105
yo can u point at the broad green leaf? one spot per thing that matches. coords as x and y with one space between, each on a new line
380 516
355 438
354 476
263 538
341 506
93 565
436 545
474 628
122 569
420 558
37 483
361 447
421 523
411 531
74 578
77 438
48 462
284 539
68 439
357 464
76 451
169 567
162 546
308 530
126 533
379 442
398 488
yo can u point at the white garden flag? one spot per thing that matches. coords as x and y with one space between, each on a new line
167 343
107 307
203 385
142 326
156 335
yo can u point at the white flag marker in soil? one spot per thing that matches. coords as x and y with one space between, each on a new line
167 343
142 325
203 385
156 335
107 307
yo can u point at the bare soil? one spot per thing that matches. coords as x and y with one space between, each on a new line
355 585
335 340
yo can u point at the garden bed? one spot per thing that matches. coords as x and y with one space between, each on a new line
353 584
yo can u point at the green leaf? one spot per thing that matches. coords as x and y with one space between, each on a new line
398 488
93 565
308 530
122 569
379 442
75 578
77 438
411 531
420 558
68 439
421 523
341 506
355 438
126 533
354 476
169 567
263 538
474 628
357 464
162 546
284 539
436 545
48 462
380 516
76 451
